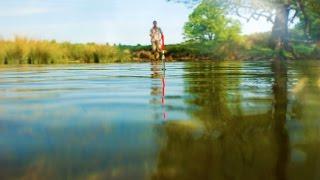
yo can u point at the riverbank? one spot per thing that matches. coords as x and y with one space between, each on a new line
253 47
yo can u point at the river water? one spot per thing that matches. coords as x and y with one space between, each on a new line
196 120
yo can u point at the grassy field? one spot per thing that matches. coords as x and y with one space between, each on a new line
26 51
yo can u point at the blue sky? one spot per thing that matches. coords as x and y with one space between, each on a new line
100 21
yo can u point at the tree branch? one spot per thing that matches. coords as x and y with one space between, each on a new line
256 15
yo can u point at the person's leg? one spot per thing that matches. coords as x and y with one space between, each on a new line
154 46
154 49
158 49
160 46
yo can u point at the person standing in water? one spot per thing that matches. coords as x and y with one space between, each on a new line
156 40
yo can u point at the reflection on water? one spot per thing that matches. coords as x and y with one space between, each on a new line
158 76
205 120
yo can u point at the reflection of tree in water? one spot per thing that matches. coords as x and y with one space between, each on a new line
221 142
303 126
279 117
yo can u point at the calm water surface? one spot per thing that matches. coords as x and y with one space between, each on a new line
198 120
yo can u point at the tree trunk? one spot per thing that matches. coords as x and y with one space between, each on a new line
279 37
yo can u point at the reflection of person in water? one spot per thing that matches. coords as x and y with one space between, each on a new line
158 90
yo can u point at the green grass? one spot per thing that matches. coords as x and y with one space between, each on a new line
26 51
306 51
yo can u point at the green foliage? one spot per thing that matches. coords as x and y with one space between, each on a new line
208 22
314 19
313 6
306 10
25 51
302 49
227 50
306 51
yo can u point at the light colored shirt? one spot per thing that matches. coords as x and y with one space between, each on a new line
155 34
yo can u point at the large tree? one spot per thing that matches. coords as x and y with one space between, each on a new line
208 22
279 12
310 24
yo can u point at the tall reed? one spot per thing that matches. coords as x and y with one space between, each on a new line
26 51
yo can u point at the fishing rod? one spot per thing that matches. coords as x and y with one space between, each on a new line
163 58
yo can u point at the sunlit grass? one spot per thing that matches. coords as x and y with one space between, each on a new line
27 51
